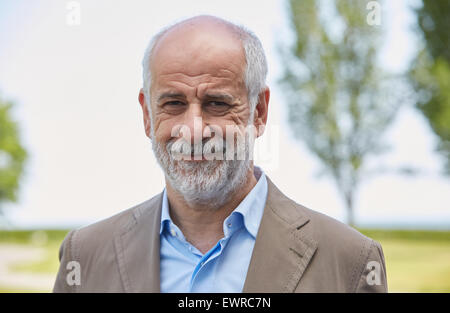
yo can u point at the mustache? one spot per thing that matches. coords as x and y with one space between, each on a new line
182 149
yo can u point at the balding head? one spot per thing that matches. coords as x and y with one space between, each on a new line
203 24
197 46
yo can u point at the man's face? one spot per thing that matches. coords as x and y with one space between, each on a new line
198 75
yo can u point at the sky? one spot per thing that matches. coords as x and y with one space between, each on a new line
76 87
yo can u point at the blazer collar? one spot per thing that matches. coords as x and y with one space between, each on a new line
283 248
281 254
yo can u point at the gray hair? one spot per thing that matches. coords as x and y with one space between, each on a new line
256 63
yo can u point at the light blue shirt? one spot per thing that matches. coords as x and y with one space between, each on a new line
223 268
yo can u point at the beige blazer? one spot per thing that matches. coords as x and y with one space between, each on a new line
296 250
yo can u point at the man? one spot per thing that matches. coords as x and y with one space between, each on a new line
220 225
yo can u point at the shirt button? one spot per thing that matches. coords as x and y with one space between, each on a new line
229 225
172 232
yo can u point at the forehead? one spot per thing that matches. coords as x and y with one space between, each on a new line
196 50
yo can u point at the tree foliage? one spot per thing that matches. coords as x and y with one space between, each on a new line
338 98
12 155
430 72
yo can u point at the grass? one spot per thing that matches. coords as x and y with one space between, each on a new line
416 261
409 235
417 266
29 236
15 289
48 265
49 240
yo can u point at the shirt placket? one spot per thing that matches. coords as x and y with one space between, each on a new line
211 255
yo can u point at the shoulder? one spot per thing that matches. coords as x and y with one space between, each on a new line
94 238
93 248
343 256
318 226
117 223
332 231
358 259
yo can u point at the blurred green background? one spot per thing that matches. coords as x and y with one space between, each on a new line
416 261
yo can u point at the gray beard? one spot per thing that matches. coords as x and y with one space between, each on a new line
208 182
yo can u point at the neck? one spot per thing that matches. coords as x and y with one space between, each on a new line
202 224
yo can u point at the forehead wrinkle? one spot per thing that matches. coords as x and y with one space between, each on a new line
208 88
178 52
183 72
183 77
201 81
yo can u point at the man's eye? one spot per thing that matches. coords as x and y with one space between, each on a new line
174 107
218 104
174 103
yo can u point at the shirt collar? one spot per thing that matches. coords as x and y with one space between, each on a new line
251 208
165 216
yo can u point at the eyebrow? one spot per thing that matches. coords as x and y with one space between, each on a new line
211 96
170 94
219 96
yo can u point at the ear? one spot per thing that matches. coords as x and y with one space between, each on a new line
261 111
145 112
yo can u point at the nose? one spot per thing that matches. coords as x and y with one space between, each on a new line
193 120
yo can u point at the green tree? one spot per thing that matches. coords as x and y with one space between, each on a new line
12 156
430 72
339 101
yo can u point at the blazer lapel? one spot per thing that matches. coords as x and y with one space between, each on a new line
137 248
282 248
